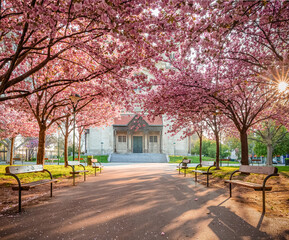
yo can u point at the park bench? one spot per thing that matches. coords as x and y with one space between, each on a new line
81 160
224 160
266 170
15 170
99 166
208 173
256 161
17 159
184 165
74 172
52 160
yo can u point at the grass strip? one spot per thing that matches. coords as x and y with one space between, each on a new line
57 171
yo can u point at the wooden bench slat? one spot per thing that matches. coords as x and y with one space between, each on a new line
267 170
249 185
74 163
80 171
27 186
23 169
203 172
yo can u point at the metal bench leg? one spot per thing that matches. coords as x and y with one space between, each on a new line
207 180
50 189
263 200
19 200
230 186
73 178
196 177
84 176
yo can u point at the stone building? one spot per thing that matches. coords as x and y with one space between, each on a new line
133 134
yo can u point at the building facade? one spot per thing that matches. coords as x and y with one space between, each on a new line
134 134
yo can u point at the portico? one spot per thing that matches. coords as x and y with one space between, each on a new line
134 134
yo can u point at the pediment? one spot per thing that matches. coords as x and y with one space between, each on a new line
138 123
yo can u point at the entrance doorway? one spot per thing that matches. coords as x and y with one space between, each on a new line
137 144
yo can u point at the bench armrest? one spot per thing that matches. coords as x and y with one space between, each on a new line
210 168
45 170
266 178
233 174
82 166
72 167
94 163
197 166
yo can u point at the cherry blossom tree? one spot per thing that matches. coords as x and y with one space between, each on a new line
227 58
114 37
48 106
14 123
98 112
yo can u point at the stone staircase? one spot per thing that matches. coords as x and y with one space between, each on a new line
138 158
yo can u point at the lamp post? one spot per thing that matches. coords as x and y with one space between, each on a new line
101 150
58 155
174 148
74 99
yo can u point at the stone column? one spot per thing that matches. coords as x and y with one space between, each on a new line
161 136
114 141
145 142
127 144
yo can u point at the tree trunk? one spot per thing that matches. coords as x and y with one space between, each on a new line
66 134
244 148
269 161
200 151
11 150
66 150
79 144
41 146
217 150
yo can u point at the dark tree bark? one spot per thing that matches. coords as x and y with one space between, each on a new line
217 150
41 145
200 150
244 148
11 150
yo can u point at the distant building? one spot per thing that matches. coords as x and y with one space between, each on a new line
133 134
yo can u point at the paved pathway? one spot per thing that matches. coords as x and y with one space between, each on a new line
139 201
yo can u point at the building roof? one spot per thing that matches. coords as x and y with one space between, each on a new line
125 119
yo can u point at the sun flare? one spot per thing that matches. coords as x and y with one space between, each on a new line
282 86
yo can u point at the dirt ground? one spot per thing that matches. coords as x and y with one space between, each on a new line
9 198
277 200
144 201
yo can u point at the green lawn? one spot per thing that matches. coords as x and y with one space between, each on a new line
195 159
283 168
225 171
57 171
101 158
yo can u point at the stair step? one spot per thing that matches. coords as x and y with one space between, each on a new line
139 158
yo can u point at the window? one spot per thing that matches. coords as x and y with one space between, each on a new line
153 138
121 138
